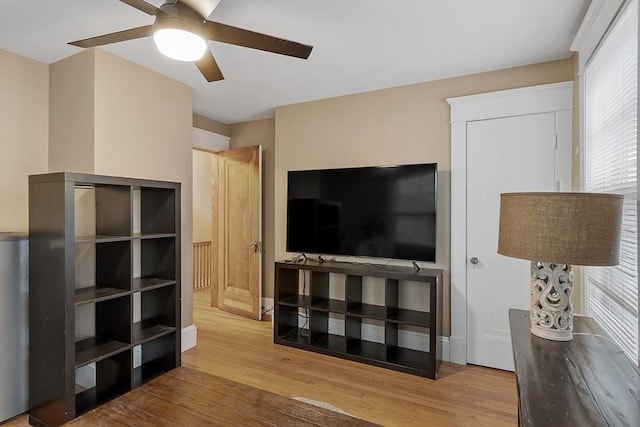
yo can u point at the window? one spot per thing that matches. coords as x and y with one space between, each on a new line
610 166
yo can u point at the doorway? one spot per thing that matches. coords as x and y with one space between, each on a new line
478 313
227 227
202 221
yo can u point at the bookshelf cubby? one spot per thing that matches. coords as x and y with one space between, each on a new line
313 312
104 279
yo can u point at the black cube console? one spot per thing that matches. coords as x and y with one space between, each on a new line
313 312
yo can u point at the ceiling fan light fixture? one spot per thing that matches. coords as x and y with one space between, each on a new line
180 45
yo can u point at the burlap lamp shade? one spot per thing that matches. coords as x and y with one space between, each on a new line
555 231
564 228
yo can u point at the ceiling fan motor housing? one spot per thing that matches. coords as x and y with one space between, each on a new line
179 16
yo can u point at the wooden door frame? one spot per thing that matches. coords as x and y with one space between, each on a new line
493 105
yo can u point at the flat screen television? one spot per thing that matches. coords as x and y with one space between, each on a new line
382 211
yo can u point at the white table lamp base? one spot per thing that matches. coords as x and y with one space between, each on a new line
551 310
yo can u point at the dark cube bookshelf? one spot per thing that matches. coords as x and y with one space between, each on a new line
104 289
306 307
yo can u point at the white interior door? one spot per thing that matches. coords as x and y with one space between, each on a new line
504 155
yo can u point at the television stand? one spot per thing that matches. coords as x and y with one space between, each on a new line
314 312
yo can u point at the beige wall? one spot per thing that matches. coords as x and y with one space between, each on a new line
205 123
262 132
102 98
204 144
144 130
141 128
72 113
202 211
24 130
408 124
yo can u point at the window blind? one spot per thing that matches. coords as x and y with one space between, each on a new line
610 149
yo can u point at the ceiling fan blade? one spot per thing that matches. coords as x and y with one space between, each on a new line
118 36
209 67
143 6
240 37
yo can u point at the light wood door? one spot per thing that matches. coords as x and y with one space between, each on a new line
237 231
504 155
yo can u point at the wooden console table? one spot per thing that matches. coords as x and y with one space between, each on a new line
588 381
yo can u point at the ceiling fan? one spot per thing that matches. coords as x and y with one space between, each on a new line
181 29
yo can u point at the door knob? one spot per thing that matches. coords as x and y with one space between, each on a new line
474 261
256 246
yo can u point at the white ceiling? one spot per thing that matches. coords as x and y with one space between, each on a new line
359 45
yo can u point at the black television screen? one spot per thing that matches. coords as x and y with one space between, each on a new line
385 212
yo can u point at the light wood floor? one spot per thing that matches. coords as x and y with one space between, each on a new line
186 397
242 351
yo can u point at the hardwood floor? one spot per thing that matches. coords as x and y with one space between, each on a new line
237 376
242 350
185 397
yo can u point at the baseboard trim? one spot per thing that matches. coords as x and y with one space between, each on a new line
458 348
409 339
267 305
189 337
446 349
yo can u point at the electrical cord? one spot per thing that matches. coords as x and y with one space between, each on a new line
322 259
296 259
